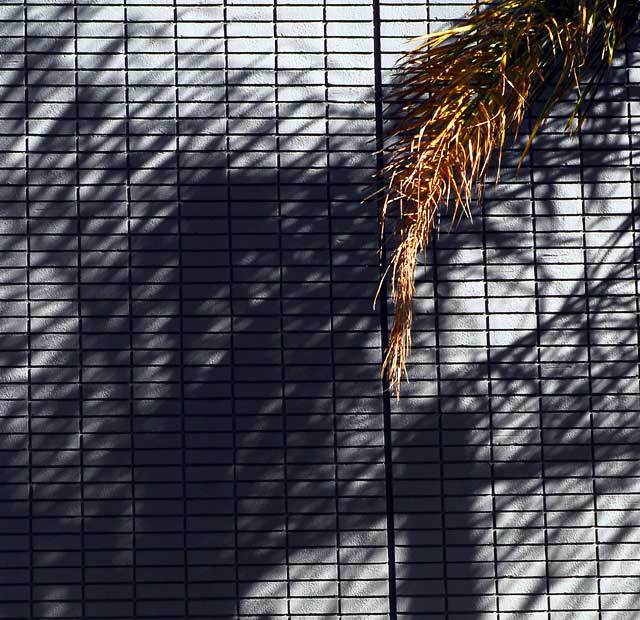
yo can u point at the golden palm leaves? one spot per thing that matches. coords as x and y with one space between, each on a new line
460 93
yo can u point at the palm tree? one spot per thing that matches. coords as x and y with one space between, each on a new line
461 93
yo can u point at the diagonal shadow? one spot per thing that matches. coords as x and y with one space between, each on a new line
191 409
192 416
515 467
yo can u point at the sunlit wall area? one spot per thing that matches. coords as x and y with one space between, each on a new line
193 423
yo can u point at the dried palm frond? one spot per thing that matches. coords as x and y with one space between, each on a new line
460 94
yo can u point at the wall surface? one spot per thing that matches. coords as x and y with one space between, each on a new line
192 423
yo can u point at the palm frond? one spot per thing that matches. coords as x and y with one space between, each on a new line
460 94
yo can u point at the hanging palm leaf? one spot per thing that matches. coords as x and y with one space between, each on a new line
461 93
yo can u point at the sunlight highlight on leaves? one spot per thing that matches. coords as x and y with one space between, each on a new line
461 92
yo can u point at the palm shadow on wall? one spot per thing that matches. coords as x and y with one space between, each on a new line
514 448
177 462
192 417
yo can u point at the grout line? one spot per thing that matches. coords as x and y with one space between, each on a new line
588 347
384 323
183 431
440 460
281 314
81 446
441 471
230 283
492 460
330 233
28 309
496 573
539 378
130 305
634 205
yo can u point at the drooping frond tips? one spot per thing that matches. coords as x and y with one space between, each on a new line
459 94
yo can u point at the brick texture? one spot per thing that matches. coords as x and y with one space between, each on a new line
192 421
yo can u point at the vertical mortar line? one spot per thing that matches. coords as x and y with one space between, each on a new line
28 299
440 414
232 374
636 257
585 258
281 307
76 82
334 413
384 318
130 309
494 533
183 430
487 327
441 470
539 381
632 179
634 225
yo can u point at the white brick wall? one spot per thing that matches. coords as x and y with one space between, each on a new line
193 423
